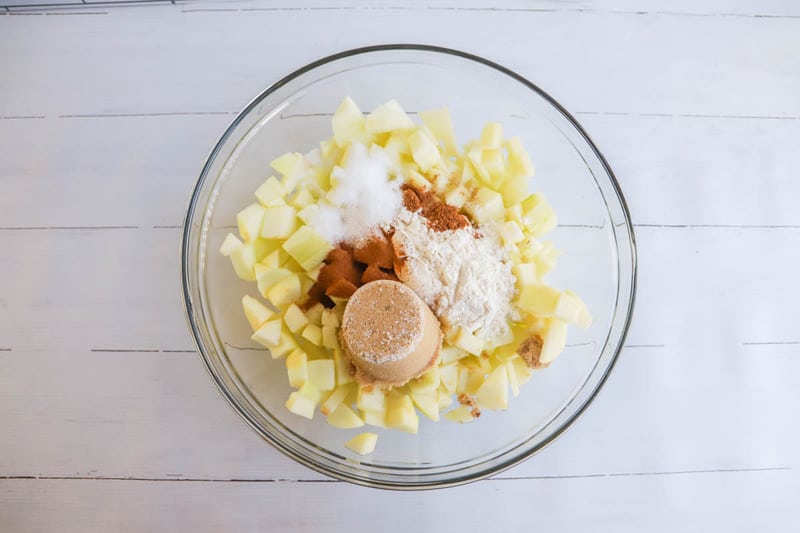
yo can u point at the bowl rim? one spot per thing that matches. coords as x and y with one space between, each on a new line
504 464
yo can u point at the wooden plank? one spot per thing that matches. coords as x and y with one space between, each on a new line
669 65
742 501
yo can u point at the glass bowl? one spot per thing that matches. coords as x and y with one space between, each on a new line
595 235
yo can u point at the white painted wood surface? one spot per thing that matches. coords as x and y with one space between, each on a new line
107 418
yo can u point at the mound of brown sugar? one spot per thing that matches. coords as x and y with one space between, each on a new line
441 216
346 268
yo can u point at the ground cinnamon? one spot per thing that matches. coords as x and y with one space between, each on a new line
440 216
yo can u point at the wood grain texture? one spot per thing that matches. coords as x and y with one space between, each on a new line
109 420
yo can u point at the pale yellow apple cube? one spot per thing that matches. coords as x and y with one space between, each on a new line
371 400
388 117
300 405
461 414
525 273
322 374
307 247
485 206
519 162
441 126
269 334
279 222
347 122
374 418
345 418
249 221
294 318
329 318
271 192
256 312
336 397
285 291
344 373
555 339
493 393
538 299
400 413
230 244
424 150
491 136
363 444
330 337
468 342
448 377
427 403
313 334
297 368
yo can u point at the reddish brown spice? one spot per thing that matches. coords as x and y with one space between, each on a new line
441 216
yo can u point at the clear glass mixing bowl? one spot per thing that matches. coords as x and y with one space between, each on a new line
595 235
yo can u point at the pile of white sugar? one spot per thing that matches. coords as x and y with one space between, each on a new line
364 197
466 280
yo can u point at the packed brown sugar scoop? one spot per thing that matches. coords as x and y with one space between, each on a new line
388 333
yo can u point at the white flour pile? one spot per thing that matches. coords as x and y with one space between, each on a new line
466 281
364 198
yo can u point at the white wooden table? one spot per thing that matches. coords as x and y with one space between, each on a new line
108 421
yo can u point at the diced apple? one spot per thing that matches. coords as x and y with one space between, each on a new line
450 354
486 205
519 163
468 342
279 222
388 117
268 277
363 444
491 136
294 318
344 417
348 122
230 244
400 413
555 339
457 196
510 232
461 414
300 405
424 150
538 299
307 247
493 394
256 312
448 376
371 400
271 192
343 373
291 166
441 126
286 345
313 334
322 374
427 403
269 334
314 314
336 397
329 318
428 382
297 368
249 221
525 273
374 418
330 337
285 291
